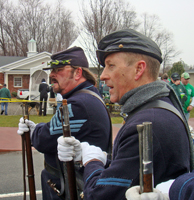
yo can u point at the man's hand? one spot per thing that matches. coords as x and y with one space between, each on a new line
68 149
92 153
24 126
133 194
189 108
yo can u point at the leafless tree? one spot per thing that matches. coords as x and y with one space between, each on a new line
52 27
101 17
152 28
2 36
4 17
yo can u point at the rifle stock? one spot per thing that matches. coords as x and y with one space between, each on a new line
147 183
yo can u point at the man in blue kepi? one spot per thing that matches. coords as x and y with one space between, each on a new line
131 64
89 120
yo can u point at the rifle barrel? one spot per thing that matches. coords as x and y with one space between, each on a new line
70 164
140 135
147 157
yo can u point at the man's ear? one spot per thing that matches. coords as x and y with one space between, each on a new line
140 68
78 73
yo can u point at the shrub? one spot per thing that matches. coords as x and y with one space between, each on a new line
14 94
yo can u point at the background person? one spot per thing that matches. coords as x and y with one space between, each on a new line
131 64
178 88
5 95
189 104
59 99
43 89
164 77
89 120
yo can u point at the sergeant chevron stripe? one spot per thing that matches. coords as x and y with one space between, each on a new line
56 125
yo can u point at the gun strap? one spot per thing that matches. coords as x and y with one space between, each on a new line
52 170
57 172
62 179
171 108
157 104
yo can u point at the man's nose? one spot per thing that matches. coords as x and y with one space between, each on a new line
104 75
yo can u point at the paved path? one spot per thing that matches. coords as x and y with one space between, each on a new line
11 164
11 180
11 141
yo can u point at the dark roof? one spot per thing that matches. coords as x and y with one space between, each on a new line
5 60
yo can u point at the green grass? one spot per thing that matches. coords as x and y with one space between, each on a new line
13 120
192 114
116 120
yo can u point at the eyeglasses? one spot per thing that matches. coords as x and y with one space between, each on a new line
58 69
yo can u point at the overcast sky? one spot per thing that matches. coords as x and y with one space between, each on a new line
176 16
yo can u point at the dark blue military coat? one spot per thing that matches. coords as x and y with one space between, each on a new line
89 122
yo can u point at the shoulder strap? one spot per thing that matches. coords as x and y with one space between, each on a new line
90 92
171 108
158 104
109 151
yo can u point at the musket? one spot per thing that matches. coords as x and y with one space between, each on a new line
140 135
70 164
146 156
26 147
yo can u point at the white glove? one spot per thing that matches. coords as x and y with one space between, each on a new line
164 187
68 149
90 152
133 194
24 126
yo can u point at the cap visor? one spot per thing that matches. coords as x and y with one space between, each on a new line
47 68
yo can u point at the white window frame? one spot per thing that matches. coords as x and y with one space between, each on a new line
15 81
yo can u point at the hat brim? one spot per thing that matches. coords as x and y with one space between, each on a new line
101 55
176 79
55 66
47 68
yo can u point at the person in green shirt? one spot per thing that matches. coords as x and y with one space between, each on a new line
189 104
178 88
4 95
